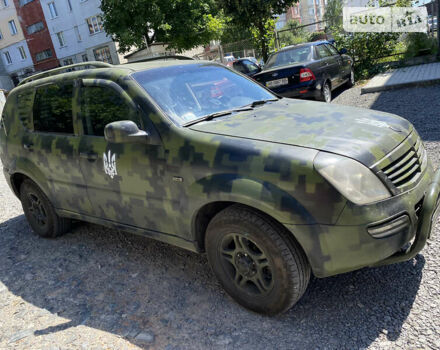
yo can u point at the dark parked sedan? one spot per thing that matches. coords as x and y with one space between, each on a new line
307 70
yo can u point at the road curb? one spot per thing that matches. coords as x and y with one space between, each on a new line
365 90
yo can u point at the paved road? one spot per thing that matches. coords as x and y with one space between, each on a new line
96 288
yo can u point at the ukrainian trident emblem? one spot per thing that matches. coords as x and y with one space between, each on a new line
110 164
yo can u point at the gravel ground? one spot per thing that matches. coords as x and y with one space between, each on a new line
97 288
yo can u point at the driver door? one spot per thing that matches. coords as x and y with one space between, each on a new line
120 177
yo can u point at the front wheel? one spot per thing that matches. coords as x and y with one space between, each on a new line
255 261
351 81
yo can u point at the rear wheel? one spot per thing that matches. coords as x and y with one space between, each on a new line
40 213
326 93
255 261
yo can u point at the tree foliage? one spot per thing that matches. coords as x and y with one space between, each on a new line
182 24
258 16
292 34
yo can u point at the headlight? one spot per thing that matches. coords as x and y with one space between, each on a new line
353 180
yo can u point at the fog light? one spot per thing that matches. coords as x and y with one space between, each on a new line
389 228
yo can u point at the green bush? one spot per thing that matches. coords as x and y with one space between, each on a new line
317 36
418 44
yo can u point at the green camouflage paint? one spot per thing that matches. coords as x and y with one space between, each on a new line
261 158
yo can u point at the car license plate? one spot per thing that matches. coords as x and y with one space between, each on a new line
277 82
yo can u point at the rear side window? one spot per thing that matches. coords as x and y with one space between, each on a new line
101 106
53 109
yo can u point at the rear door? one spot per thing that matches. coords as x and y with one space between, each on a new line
52 146
329 64
121 178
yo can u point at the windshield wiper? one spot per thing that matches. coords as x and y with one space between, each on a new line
261 102
216 115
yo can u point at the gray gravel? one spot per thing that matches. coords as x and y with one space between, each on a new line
97 288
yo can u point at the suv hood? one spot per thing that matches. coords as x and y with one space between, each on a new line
362 134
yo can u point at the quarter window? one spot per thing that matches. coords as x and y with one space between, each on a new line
95 24
101 106
53 109
12 27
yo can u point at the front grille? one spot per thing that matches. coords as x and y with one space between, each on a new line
404 165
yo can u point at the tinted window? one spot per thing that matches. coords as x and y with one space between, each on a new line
190 91
332 49
289 56
323 51
251 67
238 66
101 106
53 109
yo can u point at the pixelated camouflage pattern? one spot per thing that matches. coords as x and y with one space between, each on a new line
261 158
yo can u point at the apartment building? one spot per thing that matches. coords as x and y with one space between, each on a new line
37 35
312 11
77 33
15 60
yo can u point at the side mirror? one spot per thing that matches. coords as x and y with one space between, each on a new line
124 131
342 51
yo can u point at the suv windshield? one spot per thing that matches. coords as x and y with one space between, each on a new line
285 57
188 92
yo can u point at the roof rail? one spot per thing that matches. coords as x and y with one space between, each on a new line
55 71
165 57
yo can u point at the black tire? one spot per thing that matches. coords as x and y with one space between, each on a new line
255 260
326 93
40 213
350 82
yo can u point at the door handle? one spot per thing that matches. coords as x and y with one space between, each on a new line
91 156
28 146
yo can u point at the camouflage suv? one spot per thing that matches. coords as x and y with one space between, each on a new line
196 155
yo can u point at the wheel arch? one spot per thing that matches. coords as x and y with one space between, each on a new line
206 213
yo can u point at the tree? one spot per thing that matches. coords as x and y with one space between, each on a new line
258 16
182 24
292 34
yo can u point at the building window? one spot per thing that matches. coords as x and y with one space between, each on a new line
36 27
53 10
7 57
1 35
67 62
43 55
60 37
24 2
103 54
69 4
12 27
82 0
85 58
5 3
311 11
78 35
95 24
22 52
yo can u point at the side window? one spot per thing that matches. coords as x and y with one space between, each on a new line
322 51
238 66
332 49
251 67
101 106
52 109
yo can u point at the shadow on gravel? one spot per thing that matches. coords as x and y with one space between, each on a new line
151 293
419 105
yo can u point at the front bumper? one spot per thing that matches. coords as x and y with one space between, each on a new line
348 245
